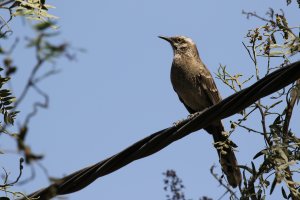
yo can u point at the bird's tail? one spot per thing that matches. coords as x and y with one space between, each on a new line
226 155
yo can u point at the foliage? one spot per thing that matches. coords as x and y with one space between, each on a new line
174 185
277 164
45 52
290 1
275 41
32 10
6 100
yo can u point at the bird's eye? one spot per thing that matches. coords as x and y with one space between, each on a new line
183 48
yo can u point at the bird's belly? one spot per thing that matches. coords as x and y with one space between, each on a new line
191 94
196 101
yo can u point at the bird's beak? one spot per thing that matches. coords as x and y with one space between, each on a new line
166 38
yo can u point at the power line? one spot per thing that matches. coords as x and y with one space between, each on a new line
161 139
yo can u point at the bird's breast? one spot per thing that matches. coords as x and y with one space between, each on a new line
186 85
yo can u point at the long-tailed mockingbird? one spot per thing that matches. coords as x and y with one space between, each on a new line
197 90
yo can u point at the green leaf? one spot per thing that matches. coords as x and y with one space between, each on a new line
273 185
259 192
43 25
262 152
6 103
283 155
11 99
277 120
244 178
9 117
5 93
8 107
283 193
253 169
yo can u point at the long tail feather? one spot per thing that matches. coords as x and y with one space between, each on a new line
226 155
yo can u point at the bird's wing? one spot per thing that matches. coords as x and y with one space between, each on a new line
206 82
191 111
207 87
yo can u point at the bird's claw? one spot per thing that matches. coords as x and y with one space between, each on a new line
178 122
191 116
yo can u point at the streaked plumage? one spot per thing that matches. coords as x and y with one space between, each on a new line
197 90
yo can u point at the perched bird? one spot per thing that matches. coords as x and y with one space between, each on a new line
197 90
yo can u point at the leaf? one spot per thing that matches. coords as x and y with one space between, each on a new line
5 118
283 155
43 25
6 103
49 6
259 192
9 117
10 99
283 193
4 93
9 107
262 152
253 169
244 178
277 120
273 185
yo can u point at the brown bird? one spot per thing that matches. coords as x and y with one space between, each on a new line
197 90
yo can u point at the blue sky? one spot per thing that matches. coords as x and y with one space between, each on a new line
119 91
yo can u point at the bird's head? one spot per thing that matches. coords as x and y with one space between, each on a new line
182 45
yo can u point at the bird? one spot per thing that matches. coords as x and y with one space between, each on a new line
197 90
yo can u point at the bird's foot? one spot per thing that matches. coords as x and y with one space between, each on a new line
178 122
191 116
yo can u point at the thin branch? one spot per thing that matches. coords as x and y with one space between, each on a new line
46 75
37 105
219 179
253 14
289 110
250 129
4 3
5 23
263 123
285 135
17 179
29 82
248 52
241 120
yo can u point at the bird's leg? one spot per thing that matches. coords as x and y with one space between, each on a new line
178 122
190 116
193 115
